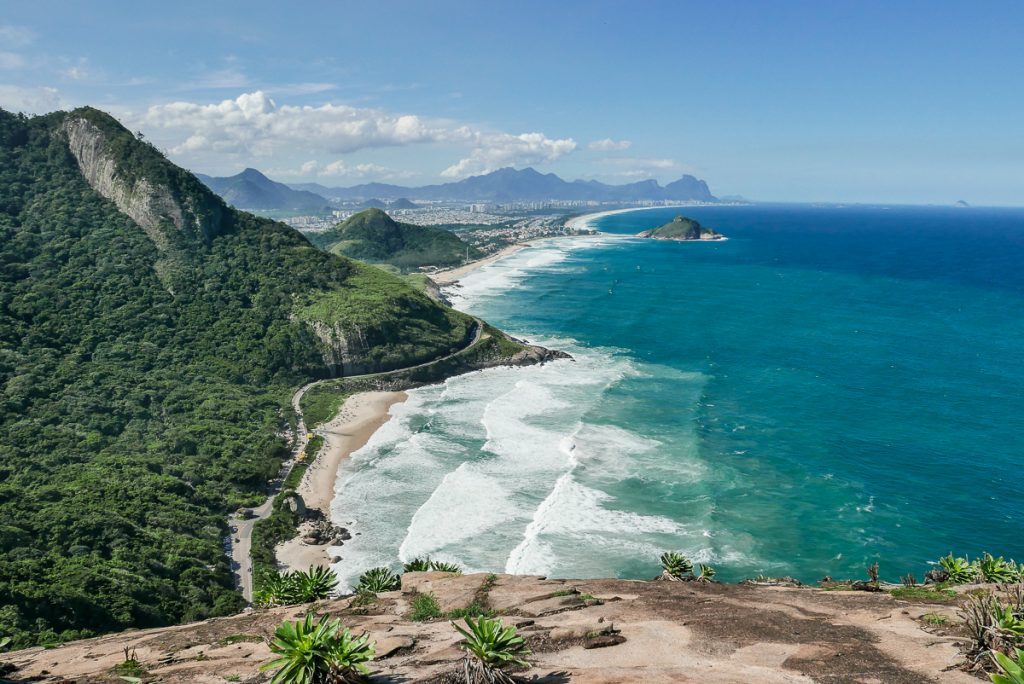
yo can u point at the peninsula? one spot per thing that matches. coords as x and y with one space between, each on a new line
682 228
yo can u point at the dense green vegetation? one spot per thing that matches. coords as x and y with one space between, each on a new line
139 408
372 235
680 228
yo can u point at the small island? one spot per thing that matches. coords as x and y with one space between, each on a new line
681 228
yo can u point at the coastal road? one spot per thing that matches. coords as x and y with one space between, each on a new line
240 528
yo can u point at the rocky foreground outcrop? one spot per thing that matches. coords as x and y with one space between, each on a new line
586 632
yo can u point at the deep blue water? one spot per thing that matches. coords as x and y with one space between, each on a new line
829 387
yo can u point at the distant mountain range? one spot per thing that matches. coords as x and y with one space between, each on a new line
526 185
250 189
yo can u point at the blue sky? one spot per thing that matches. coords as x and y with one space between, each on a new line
802 101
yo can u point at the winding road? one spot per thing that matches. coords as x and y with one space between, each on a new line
239 542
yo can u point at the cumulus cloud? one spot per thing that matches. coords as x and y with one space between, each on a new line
609 145
29 100
493 151
255 125
340 169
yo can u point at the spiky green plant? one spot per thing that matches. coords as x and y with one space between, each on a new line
960 570
4 641
707 573
1010 625
417 565
314 584
491 645
325 652
675 565
377 580
1013 668
441 566
992 569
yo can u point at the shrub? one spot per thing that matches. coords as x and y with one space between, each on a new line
424 607
417 565
960 570
376 580
491 645
426 565
992 569
707 573
675 566
314 584
324 652
1013 668
439 566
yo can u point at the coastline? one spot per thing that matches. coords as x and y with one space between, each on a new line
583 222
359 417
453 275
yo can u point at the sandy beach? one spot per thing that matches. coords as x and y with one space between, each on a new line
584 221
359 417
452 275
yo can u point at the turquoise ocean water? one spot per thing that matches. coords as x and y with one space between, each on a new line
829 387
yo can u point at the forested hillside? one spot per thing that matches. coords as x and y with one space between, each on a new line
145 368
372 235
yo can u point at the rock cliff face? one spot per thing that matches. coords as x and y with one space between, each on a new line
154 207
342 349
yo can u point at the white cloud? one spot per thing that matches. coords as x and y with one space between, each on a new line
341 169
609 145
15 36
11 60
494 150
29 100
255 125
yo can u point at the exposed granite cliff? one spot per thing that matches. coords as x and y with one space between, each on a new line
154 203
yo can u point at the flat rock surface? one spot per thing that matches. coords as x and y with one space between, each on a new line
649 632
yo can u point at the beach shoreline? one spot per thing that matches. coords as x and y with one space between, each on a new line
583 222
358 418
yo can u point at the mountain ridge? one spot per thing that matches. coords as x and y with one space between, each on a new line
251 189
514 185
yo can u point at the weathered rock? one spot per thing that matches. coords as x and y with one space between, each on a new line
391 645
604 640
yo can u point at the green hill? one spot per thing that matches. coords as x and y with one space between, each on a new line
681 228
372 235
150 338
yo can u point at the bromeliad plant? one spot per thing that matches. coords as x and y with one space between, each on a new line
322 653
675 566
707 573
960 570
427 565
376 580
1013 668
992 569
491 645
314 584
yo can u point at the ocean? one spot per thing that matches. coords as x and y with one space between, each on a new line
830 387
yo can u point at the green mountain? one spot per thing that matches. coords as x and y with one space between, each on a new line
150 338
681 228
372 235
